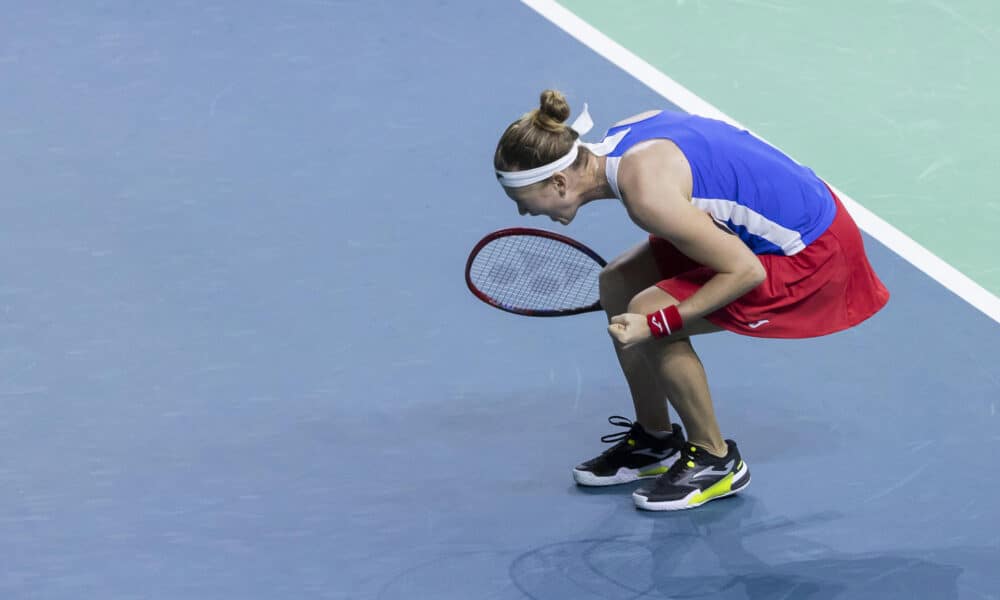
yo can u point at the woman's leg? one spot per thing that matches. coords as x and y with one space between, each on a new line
620 281
680 372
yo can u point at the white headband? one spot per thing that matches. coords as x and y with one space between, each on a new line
582 124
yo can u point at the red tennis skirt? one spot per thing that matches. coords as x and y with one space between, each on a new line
827 287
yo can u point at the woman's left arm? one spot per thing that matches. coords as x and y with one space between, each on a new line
695 234
657 203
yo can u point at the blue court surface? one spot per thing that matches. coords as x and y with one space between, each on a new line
239 359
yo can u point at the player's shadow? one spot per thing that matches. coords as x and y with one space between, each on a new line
722 550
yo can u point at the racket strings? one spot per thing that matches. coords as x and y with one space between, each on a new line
535 273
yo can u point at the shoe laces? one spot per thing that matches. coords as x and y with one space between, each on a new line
619 437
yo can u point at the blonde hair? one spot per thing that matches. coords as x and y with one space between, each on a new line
538 137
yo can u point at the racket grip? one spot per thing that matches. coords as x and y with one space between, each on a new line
665 321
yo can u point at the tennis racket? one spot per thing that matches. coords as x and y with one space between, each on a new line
535 273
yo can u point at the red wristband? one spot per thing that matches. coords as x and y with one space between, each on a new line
665 321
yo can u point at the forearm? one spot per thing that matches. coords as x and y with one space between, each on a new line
662 321
719 291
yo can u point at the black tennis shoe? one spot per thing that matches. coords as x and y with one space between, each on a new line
636 455
694 479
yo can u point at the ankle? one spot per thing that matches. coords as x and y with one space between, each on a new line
716 450
657 432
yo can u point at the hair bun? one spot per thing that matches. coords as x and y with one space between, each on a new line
553 111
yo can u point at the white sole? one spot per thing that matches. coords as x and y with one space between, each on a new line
624 474
686 502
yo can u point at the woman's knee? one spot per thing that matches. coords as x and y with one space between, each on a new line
613 289
625 276
650 300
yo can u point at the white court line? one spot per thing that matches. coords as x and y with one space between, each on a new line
894 239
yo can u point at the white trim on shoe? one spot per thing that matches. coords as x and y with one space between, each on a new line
691 500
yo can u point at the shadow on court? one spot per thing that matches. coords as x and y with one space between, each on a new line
724 550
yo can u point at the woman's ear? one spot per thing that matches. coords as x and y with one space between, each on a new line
561 182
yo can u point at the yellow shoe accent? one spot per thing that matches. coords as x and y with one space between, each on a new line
631 443
654 471
721 487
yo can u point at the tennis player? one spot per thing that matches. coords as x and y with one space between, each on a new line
741 238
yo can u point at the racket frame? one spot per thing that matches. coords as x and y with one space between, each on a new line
529 231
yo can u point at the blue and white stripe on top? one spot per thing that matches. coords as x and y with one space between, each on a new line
774 204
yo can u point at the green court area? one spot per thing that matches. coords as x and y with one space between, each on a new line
893 102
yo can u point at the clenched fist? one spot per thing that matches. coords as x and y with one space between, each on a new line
629 328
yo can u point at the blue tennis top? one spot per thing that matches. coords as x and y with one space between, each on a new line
774 204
